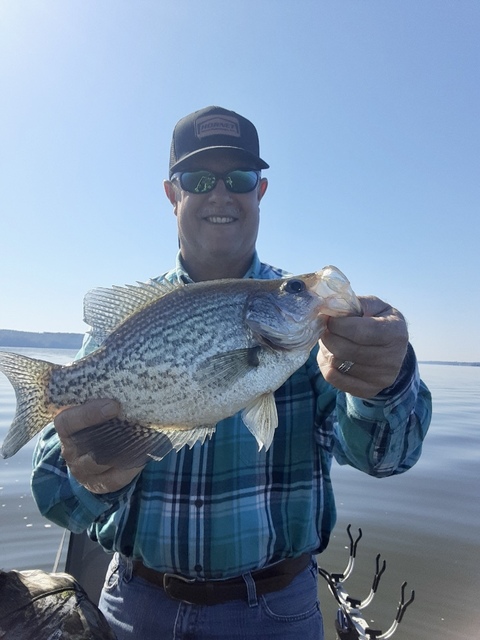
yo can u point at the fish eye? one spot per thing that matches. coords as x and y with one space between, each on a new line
295 286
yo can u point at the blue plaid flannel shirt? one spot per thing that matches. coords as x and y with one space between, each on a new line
223 508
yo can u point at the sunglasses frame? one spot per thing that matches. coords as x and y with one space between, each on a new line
217 176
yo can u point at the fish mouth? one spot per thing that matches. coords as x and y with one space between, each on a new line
336 297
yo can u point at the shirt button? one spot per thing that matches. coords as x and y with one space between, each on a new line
198 568
198 503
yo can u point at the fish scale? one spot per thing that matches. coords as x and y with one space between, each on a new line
179 359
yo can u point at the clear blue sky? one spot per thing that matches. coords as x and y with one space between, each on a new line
368 113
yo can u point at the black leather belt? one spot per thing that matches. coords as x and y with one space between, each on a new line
210 592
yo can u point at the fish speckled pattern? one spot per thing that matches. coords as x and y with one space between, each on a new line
179 359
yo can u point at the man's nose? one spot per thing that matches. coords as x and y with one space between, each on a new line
220 191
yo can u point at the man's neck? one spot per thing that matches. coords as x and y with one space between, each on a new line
201 271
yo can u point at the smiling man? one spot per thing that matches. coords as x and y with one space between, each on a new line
219 541
217 217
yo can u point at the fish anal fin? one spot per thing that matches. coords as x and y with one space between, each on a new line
185 437
261 419
129 445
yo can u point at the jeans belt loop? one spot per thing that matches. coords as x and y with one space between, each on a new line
251 590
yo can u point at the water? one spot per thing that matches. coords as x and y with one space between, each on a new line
27 540
425 524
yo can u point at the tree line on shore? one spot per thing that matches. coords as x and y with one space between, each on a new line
10 338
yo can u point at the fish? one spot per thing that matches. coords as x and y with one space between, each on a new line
179 358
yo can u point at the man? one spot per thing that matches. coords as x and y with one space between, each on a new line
218 541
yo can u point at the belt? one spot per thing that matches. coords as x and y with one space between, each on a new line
210 592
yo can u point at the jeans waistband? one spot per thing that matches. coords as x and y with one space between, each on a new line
210 592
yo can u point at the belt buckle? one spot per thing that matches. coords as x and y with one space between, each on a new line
168 577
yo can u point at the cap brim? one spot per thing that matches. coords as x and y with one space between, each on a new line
253 161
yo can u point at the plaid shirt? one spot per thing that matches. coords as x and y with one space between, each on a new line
221 509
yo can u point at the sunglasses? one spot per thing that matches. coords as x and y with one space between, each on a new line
202 181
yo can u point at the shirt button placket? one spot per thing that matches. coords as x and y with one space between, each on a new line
198 503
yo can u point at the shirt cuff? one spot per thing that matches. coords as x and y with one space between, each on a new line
98 505
374 409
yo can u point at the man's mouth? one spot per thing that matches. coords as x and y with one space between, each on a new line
220 219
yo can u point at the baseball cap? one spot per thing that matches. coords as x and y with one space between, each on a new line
214 128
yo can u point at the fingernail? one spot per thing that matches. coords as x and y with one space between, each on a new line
109 409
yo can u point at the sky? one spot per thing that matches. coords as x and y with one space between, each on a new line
367 111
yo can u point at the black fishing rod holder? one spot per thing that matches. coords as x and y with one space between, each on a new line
350 624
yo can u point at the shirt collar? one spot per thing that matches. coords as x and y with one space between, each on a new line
252 272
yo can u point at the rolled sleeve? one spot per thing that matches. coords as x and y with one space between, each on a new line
383 436
60 497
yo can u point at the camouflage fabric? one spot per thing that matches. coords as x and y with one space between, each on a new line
35 605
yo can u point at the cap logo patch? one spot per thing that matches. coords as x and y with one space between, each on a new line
217 125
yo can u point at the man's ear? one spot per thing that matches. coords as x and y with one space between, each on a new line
262 187
171 193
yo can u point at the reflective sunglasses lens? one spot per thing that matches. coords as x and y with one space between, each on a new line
241 181
197 181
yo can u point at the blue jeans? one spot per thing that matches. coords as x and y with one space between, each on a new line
139 610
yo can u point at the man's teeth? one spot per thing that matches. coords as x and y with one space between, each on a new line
220 219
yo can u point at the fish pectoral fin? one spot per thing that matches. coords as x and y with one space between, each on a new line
180 438
230 366
261 419
130 445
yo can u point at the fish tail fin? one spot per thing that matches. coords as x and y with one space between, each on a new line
29 378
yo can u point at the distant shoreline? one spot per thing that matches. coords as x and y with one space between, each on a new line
10 338
457 364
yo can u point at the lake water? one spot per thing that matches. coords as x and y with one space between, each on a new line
425 523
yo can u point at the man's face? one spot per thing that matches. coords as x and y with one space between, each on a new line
219 226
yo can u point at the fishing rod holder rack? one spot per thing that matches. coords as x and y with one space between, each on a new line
350 624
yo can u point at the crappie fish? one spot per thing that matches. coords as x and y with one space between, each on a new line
178 359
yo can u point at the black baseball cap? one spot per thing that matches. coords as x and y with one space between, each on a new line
214 128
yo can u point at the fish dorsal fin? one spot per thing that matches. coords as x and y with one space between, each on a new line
105 309
261 419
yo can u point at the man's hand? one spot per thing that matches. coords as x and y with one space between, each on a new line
96 478
376 344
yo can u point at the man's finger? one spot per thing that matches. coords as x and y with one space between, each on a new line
93 412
